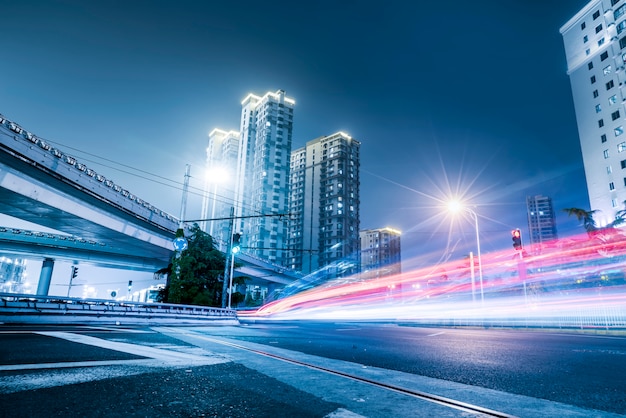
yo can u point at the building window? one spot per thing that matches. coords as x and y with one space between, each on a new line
621 147
603 138
598 28
620 28
606 70
600 123
605 153
590 65
618 131
598 108
614 2
622 43
609 170
615 115
604 56
619 11
611 186
585 39
583 26
623 164
593 79
612 100
601 42
610 85
596 14
595 94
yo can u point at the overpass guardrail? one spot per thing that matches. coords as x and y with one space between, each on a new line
35 309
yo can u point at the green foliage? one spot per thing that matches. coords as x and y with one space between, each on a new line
194 278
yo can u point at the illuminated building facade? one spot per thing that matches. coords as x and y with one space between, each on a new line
219 193
324 206
595 48
541 220
13 275
380 252
261 189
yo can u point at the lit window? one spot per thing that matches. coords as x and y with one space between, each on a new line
606 153
621 147
614 201
609 170
607 70
598 108
612 100
619 130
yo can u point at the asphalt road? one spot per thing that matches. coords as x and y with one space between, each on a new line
585 370
203 371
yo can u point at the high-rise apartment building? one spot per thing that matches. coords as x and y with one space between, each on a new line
541 220
324 205
219 192
261 190
380 252
595 48
13 275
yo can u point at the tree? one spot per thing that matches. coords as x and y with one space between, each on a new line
194 276
586 216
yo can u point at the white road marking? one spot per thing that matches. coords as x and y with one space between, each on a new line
166 356
44 375
436 333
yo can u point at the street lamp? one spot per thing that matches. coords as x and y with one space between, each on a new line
214 175
454 207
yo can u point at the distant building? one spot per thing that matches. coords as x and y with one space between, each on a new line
324 206
219 193
595 48
380 252
13 275
541 220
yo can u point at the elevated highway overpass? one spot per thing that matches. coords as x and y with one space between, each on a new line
106 225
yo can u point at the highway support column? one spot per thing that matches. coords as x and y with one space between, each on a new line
45 277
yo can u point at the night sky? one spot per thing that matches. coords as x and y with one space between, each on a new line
464 98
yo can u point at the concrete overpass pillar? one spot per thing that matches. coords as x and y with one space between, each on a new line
45 277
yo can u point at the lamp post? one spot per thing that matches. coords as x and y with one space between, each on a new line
214 176
455 206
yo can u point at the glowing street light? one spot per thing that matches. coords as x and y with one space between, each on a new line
454 206
214 175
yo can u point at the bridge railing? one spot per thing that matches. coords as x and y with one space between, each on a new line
26 308
26 145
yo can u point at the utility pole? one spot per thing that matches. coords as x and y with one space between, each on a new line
228 257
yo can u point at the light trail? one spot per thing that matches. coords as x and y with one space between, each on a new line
573 282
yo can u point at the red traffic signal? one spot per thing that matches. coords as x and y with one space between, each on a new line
517 239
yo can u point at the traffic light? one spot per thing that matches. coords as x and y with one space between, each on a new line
74 272
517 239
236 247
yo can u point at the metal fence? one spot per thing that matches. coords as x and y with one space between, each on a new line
24 308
